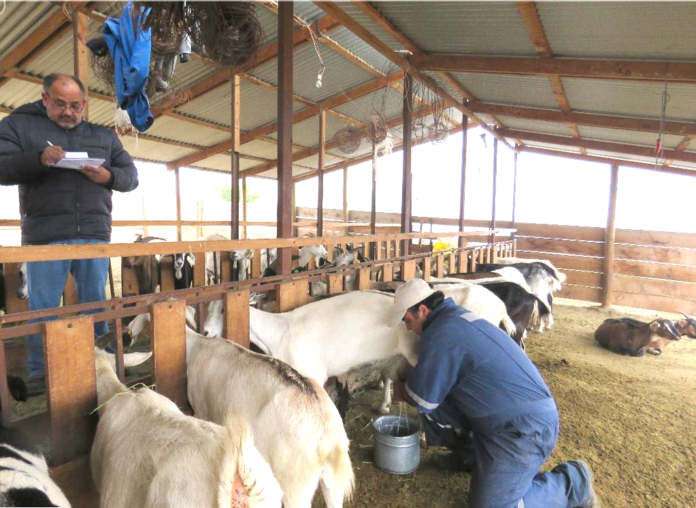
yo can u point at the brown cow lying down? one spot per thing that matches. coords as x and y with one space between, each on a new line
632 337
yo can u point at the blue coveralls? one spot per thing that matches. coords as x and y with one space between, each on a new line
472 377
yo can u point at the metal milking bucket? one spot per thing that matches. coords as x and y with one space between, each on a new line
396 444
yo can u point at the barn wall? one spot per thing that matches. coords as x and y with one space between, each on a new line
653 270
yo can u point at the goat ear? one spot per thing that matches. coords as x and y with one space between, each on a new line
133 359
103 340
191 259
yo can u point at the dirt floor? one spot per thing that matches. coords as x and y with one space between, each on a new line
632 419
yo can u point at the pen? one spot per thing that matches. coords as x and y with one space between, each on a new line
49 143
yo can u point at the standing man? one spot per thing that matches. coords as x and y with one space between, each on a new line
481 396
62 206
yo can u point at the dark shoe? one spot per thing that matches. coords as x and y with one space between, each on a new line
452 461
591 500
36 385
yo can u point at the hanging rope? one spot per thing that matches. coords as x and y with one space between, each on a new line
659 145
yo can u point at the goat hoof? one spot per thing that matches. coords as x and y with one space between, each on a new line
384 410
656 352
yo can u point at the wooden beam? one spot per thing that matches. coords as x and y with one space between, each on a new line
676 128
32 41
345 193
462 190
320 173
514 192
337 13
604 146
406 185
610 236
609 160
495 187
331 102
373 202
672 72
168 332
80 54
285 121
235 103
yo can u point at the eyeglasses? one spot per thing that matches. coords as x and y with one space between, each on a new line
60 105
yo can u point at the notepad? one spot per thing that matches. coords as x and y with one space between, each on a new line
75 160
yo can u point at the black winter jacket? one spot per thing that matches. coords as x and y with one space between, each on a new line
61 204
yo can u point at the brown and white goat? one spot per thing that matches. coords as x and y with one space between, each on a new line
633 337
685 327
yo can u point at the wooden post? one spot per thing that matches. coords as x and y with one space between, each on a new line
70 292
408 269
146 228
452 265
345 197
71 386
320 173
440 266
199 218
426 269
81 54
387 272
237 317
168 332
235 103
462 190
363 279
166 268
472 261
292 295
6 414
244 206
495 187
285 112
335 284
178 204
609 237
373 206
514 194
406 186
256 264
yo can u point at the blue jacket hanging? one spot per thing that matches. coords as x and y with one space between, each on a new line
129 46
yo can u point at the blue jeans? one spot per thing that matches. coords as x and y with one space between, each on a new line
46 281
508 451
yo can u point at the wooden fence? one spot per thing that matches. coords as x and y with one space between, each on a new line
651 269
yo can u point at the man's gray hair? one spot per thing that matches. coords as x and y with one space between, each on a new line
55 76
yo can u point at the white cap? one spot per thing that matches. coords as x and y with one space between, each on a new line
408 295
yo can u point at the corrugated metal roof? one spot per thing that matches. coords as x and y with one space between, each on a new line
260 148
219 162
146 149
308 11
360 48
178 130
269 23
340 75
518 90
483 28
551 146
17 93
313 161
385 100
355 13
19 20
634 98
57 58
641 30
535 125
102 112
628 137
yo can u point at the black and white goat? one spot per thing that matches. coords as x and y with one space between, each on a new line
24 476
146 267
240 259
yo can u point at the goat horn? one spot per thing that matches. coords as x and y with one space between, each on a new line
686 316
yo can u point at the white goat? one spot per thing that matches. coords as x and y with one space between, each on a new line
332 337
297 428
559 275
147 453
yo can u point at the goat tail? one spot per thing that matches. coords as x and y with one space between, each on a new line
246 478
508 325
338 474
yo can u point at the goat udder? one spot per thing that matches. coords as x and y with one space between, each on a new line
240 499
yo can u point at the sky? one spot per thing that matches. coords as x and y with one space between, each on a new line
550 190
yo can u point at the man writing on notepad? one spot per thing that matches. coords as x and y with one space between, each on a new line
61 206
